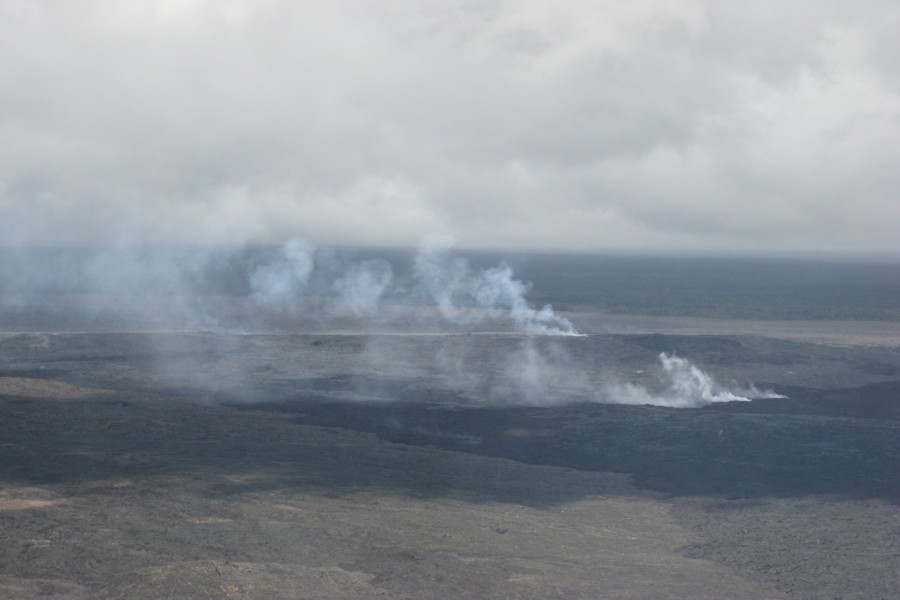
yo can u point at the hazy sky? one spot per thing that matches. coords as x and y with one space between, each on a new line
586 124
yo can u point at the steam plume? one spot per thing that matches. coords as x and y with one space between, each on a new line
684 386
465 296
361 288
239 290
279 282
243 289
541 375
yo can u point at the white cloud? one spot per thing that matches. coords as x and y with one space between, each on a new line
658 124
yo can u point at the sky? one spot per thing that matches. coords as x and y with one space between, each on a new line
585 125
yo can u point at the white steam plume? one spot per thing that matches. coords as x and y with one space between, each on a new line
239 289
464 296
361 287
300 277
540 375
684 386
279 282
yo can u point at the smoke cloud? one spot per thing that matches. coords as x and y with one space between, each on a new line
246 289
361 288
683 385
541 375
543 371
466 297
230 292
281 280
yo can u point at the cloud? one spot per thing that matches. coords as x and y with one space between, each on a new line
665 124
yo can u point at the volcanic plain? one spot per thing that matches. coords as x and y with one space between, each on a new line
353 464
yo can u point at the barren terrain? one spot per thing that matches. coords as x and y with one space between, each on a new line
362 465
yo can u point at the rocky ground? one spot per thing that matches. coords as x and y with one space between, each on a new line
191 465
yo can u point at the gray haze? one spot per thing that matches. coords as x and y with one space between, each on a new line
488 343
584 125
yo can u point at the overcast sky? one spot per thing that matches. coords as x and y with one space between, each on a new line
642 125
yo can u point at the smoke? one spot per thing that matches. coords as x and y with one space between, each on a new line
540 375
233 291
247 289
682 385
467 297
544 372
361 287
324 286
540 371
279 282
